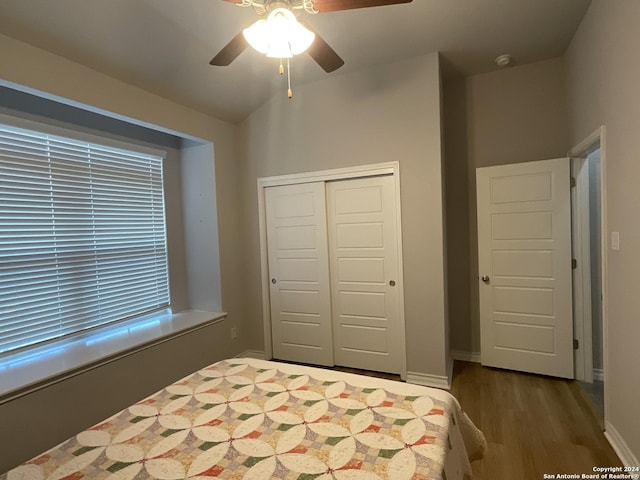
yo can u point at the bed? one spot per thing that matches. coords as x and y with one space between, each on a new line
254 419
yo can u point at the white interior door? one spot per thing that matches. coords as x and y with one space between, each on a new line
524 252
363 248
299 273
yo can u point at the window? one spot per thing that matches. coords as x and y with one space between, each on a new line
82 235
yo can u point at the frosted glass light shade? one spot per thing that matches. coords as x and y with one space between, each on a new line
279 36
256 36
300 39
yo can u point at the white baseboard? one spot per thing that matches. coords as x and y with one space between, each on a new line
598 374
427 380
620 446
465 356
257 354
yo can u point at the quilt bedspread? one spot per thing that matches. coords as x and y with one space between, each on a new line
253 419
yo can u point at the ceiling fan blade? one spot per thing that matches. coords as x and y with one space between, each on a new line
322 53
230 52
324 6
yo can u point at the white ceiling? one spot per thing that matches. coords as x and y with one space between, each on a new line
164 46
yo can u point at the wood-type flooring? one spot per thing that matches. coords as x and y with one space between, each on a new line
534 425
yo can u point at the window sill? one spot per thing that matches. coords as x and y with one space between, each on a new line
25 372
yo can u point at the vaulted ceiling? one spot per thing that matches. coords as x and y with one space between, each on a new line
164 46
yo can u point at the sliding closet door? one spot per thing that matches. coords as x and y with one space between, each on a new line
299 273
363 248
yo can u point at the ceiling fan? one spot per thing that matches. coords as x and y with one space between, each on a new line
278 33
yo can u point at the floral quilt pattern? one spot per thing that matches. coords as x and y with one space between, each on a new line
246 419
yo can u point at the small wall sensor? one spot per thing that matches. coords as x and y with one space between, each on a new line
503 60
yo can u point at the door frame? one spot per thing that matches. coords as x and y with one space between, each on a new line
360 171
581 275
582 149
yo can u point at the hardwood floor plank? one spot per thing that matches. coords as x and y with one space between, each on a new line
533 424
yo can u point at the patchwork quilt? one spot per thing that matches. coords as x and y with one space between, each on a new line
253 419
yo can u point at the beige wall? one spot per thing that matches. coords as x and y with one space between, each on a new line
457 214
514 115
41 419
603 67
38 69
381 114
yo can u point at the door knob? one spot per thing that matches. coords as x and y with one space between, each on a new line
392 283
485 278
274 281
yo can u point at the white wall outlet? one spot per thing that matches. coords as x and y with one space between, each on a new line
615 241
234 333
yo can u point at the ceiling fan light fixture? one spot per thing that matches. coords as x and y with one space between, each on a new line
305 38
256 36
300 38
279 36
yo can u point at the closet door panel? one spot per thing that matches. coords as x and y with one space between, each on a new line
299 273
363 252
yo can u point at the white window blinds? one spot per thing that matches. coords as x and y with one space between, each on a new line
82 236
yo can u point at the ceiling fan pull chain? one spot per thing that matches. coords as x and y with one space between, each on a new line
289 92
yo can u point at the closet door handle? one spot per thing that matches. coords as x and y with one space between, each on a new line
392 283
274 281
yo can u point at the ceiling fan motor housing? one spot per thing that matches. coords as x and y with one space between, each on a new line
264 7
270 6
